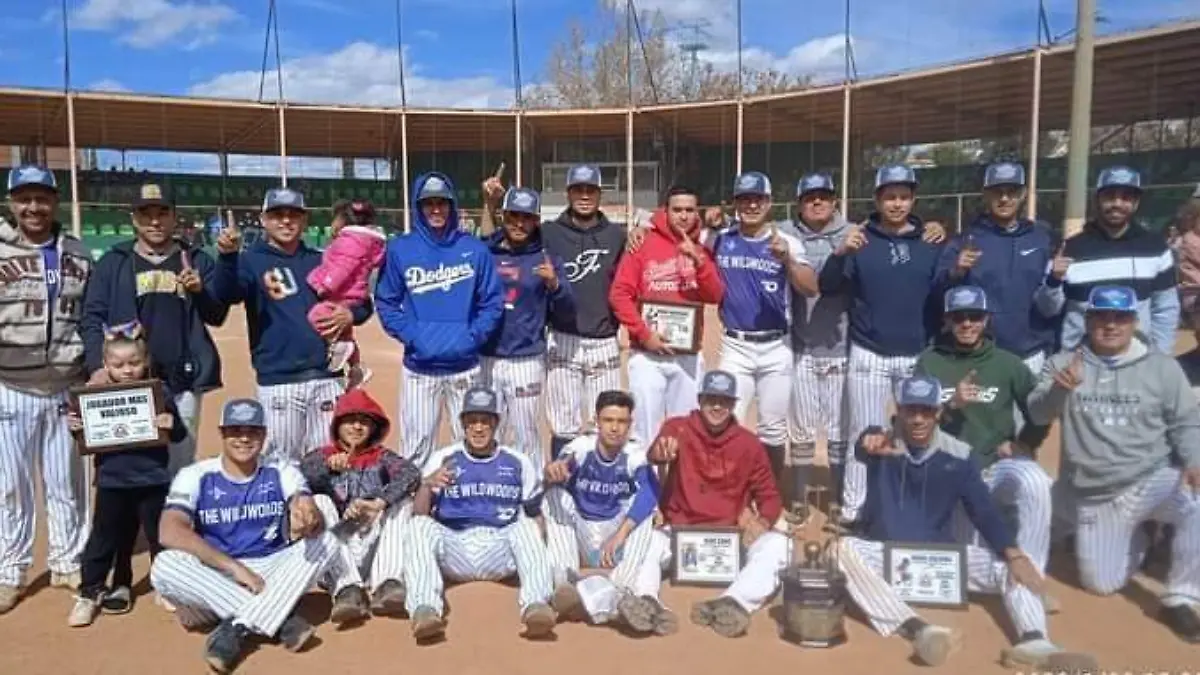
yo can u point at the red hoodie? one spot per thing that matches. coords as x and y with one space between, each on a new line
658 271
714 478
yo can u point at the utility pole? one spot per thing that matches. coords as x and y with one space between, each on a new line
1081 118
692 47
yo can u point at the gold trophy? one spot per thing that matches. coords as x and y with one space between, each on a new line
814 589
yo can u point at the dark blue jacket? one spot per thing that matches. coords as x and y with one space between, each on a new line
895 304
1011 268
111 299
527 301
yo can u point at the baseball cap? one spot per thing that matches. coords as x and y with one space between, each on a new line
1004 173
813 182
480 400
1112 299
966 299
283 198
583 174
31 174
753 183
920 390
436 187
718 383
895 175
243 412
153 194
522 200
1119 176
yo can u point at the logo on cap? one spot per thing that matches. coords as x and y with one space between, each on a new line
434 183
285 197
151 192
963 296
30 174
721 381
1113 296
897 173
242 412
523 200
920 388
480 399
814 182
582 173
1005 171
748 182
1120 176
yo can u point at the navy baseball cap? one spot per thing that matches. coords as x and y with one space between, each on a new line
1119 177
718 383
1004 173
480 400
522 200
283 198
436 187
1112 299
584 175
752 183
895 175
31 174
243 412
153 194
966 299
920 390
814 182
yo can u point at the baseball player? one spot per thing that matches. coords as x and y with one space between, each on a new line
476 518
1130 429
535 285
1114 250
760 267
226 532
669 267
602 496
889 270
43 271
917 480
440 296
289 357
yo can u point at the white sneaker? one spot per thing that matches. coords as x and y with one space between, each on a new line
339 355
83 613
164 603
935 644
69 580
9 595
1044 654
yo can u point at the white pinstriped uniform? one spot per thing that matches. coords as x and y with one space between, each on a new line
33 433
421 399
1020 487
1110 543
662 387
819 402
578 369
377 550
861 561
517 383
298 416
183 453
572 538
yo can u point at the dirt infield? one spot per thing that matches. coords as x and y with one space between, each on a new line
483 633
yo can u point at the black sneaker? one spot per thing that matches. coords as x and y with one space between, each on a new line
349 606
295 633
223 647
1183 622
388 599
117 601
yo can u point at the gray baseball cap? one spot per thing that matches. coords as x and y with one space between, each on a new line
920 390
480 400
718 383
243 412
31 174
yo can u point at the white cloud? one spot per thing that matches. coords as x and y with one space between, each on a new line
143 24
108 84
820 57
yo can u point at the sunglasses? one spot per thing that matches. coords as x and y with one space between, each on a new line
964 317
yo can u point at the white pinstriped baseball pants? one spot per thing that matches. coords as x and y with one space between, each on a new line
662 387
33 433
377 550
1110 543
819 402
517 383
861 561
204 595
298 417
435 553
578 369
1020 487
421 398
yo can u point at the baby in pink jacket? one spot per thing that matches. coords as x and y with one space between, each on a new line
343 279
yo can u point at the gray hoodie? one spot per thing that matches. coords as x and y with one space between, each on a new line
1128 419
819 323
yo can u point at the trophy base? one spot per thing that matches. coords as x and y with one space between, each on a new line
812 643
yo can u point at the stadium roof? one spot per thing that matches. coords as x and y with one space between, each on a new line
1144 75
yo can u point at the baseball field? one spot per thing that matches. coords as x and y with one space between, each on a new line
483 622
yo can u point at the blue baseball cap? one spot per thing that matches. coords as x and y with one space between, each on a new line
1004 173
1119 177
583 175
1112 299
480 400
243 412
522 200
920 390
814 182
966 299
283 198
718 383
752 183
31 174
435 187
895 175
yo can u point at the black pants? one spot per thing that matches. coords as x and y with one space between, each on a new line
109 547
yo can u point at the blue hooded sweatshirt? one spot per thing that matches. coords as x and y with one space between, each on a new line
1010 270
527 301
438 292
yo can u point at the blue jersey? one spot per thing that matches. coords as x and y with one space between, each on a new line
527 301
484 492
757 291
605 490
242 519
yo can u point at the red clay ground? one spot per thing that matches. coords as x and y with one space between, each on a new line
483 633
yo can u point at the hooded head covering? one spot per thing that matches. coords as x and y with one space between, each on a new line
359 402
435 184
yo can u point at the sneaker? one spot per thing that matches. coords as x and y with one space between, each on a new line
539 620
724 615
164 603
295 633
69 580
1042 654
84 612
934 644
349 606
567 602
388 599
427 624
9 596
117 601
637 612
665 621
339 355
223 647
1182 621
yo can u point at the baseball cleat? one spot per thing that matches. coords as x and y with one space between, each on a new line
539 620
935 644
223 647
349 606
1183 622
295 633
388 599
566 601
724 615
1042 654
637 612
427 624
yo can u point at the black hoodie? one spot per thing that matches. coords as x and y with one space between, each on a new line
590 258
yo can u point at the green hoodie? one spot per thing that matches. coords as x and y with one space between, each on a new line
1003 380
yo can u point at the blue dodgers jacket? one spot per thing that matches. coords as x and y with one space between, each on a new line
439 293
527 301
1010 270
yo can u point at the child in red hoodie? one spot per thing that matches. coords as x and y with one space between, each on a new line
671 266
356 480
